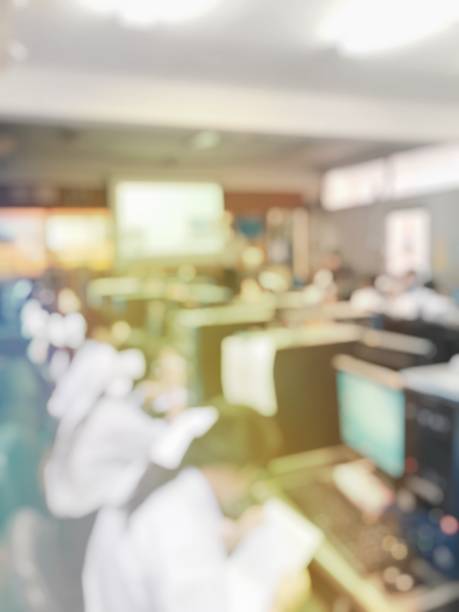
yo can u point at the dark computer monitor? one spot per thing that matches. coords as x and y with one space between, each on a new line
199 334
443 338
371 406
288 374
394 351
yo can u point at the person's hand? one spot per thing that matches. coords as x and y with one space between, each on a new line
293 592
150 389
249 520
235 531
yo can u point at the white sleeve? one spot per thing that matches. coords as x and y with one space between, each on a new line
101 462
282 545
202 590
175 536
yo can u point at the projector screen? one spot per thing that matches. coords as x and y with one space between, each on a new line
168 221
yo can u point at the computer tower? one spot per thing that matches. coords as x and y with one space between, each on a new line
433 449
431 482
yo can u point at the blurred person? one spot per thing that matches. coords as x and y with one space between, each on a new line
98 377
171 550
105 443
325 282
406 301
342 274
103 427
322 290
68 302
437 307
167 393
410 281
417 300
251 291
387 285
367 297
275 279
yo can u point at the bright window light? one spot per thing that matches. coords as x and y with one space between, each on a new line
358 185
360 27
426 170
418 172
144 13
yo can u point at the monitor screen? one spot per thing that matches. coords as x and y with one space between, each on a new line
80 238
168 221
372 421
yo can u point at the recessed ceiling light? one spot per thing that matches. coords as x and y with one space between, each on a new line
144 13
360 27
202 141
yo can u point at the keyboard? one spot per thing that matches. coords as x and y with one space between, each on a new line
369 546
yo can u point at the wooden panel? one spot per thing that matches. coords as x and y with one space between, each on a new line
45 196
239 202
57 196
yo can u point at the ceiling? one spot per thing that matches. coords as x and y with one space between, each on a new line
269 44
95 93
176 148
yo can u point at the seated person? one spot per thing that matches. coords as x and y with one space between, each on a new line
171 550
342 274
421 301
367 297
167 391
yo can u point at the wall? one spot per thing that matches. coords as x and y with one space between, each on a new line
359 234
50 195
73 171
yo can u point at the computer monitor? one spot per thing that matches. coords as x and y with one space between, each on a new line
371 407
288 374
394 351
22 243
80 238
439 335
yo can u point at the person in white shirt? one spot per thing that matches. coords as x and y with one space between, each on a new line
423 302
170 551
367 298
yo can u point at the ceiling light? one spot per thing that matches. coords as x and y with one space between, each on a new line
102 7
360 27
202 141
144 13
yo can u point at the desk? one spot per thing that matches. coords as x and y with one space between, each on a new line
329 567
138 290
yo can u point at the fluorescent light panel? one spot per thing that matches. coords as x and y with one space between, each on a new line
360 27
414 173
